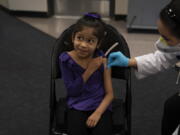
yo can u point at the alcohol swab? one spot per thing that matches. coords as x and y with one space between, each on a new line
112 47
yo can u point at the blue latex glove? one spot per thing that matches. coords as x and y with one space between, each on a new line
117 59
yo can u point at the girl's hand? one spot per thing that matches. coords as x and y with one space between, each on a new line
93 120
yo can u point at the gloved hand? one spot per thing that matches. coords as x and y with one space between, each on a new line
117 59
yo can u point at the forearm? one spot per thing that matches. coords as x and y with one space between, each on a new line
87 74
93 65
104 104
153 63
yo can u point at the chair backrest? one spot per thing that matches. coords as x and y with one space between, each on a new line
64 43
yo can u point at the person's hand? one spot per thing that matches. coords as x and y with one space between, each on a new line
117 59
93 120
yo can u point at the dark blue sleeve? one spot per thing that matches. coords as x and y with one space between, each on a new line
73 85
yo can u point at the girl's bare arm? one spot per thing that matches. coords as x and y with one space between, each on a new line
96 115
93 65
108 90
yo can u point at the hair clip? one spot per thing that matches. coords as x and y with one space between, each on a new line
93 15
171 14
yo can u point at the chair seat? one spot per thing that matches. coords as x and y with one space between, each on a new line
118 116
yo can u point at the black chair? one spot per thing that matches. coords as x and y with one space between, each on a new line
121 107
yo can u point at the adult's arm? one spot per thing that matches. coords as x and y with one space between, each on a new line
154 62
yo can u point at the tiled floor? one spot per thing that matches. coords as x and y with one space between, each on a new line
139 43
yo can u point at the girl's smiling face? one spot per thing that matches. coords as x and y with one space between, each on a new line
85 42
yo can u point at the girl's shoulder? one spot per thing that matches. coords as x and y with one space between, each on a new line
64 56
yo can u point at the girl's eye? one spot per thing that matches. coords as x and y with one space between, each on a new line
80 38
91 41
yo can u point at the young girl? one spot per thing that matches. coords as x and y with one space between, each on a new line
88 82
166 56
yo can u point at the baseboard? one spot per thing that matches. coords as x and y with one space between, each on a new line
30 13
4 8
120 17
136 30
26 13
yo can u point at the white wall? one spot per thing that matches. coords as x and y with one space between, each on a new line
28 5
4 3
121 7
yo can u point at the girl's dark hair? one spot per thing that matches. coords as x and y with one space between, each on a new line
91 20
170 15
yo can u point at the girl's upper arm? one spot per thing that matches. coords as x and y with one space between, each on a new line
107 78
73 85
